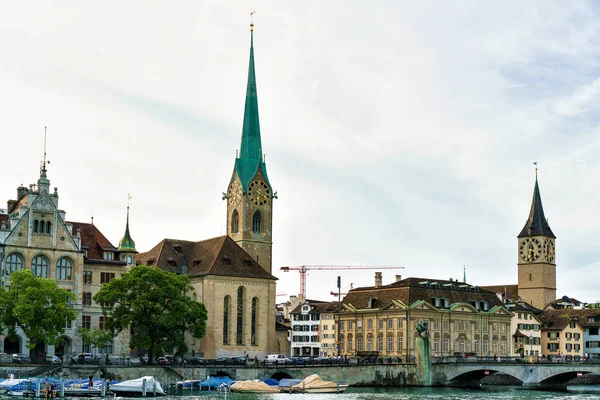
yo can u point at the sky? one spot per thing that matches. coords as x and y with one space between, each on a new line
395 132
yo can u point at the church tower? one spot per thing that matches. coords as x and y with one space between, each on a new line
536 255
250 195
126 248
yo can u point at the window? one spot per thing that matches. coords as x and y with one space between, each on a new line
446 345
39 267
42 226
87 299
446 325
552 346
436 345
349 325
577 347
64 269
359 343
14 262
108 255
349 343
485 346
593 331
359 324
380 324
240 316
226 306
106 277
107 349
576 336
369 344
390 323
254 323
572 325
369 324
257 223
48 227
235 222
399 344
380 343
129 260
36 224
484 327
436 324
530 276
399 323
86 321
390 344
102 320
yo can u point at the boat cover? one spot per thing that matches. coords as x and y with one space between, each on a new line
215 381
314 382
135 386
271 381
253 387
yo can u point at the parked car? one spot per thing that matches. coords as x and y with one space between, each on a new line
162 361
53 359
82 358
198 361
298 361
276 359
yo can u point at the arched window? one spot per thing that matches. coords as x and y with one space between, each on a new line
14 262
254 326
42 226
64 269
35 226
226 308
235 222
256 222
39 267
48 227
194 297
240 316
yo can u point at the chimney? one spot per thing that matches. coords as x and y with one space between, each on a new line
378 279
398 278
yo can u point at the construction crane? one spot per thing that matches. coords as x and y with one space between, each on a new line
303 268
342 293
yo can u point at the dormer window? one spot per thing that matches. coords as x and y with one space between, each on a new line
150 261
437 301
177 247
446 303
172 263
108 255
371 302
486 306
197 262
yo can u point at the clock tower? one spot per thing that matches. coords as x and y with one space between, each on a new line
250 195
536 256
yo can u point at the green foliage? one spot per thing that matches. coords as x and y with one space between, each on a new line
156 305
96 337
38 305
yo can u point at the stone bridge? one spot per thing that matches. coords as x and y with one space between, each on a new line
543 376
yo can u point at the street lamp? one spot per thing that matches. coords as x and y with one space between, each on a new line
530 345
339 285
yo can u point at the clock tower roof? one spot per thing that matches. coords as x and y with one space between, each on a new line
250 157
537 224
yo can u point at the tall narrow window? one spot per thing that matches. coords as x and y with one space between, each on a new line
256 222
35 226
226 307
42 226
14 262
240 316
48 227
39 267
64 269
254 328
235 222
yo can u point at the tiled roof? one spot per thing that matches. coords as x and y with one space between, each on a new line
410 290
92 240
508 292
523 307
315 305
217 256
558 319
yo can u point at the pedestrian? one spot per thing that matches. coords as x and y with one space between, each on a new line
91 382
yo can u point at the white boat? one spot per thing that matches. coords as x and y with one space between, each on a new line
134 387
314 384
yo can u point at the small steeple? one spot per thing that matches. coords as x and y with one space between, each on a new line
464 274
127 243
537 224
43 182
250 155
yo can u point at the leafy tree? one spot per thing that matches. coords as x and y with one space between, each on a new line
38 305
96 337
157 307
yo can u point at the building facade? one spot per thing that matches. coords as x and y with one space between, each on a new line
526 329
35 235
381 320
562 334
306 327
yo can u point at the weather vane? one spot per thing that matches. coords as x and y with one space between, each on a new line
536 168
129 197
252 23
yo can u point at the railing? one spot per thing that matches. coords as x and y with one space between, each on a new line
515 360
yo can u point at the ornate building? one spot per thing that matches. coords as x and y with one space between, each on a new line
537 258
231 274
35 235
381 320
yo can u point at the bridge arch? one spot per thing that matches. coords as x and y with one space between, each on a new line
560 380
474 377
220 374
279 375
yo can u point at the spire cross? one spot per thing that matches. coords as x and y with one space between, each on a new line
252 23
536 168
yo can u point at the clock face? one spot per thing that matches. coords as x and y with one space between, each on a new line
235 194
259 193
549 250
530 250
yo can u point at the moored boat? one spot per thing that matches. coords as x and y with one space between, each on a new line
314 384
253 387
135 387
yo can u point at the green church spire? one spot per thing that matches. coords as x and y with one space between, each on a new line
127 243
250 156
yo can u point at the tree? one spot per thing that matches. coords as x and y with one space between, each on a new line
156 306
96 337
38 306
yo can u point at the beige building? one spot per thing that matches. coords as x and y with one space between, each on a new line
381 320
231 274
35 235
562 334
526 329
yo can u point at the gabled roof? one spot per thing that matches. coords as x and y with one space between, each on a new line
93 240
411 290
559 319
522 306
508 292
537 224
217 256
